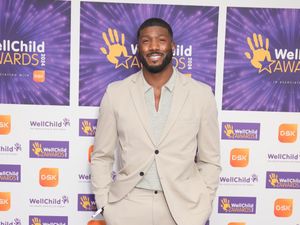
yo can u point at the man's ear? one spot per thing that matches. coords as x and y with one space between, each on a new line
173 46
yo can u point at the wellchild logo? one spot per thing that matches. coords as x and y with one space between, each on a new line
5 124
10 149
16 221
117 53
261 57
48 220
4 201
49 202
238 180
283 207
49 149
287 133
240 131
84 178
86 202
20 52
87 127
10 173
283 157
50 125
283 180
237 205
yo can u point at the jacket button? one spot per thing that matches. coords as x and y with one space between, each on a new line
155 192
141 173
156 151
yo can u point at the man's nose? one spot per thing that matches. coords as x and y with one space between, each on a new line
154 45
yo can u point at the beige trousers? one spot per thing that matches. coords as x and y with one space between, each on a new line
139 207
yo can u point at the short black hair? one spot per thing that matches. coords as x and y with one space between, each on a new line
154 22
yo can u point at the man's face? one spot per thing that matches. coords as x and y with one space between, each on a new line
155 47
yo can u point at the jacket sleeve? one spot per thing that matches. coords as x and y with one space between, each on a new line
208 155
103 154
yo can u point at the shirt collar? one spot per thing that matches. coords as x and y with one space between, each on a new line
169 85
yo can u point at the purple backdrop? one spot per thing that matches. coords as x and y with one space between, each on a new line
195 33
47 22
269 79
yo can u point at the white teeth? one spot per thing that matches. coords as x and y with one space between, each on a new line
154 57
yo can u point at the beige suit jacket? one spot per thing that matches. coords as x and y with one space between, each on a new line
189 186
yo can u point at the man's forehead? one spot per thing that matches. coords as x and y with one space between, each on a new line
154 30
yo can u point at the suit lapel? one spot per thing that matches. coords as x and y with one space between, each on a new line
179 96
138 97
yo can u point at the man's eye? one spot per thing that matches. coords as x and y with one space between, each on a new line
145 41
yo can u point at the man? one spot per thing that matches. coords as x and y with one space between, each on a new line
165 125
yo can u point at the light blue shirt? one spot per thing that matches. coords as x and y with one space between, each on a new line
157 120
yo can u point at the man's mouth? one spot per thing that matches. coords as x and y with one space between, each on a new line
154 56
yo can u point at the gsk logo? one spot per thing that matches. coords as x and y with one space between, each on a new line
4 201
236 223
287 133
96 222
49 177
5 124
283 207
91 149
239 157
39 76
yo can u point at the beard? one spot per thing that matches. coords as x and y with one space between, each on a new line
156 69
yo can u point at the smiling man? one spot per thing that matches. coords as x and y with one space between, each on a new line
165 126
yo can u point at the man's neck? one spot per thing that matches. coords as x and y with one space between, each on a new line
157 80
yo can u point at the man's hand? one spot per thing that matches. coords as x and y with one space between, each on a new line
115 49
259 53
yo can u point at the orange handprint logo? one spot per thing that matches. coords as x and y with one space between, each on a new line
87 127
260 52
229 131
36 221
85 202
273 179
37 148
115 48
225 204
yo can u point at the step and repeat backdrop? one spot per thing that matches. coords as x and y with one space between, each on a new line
57 58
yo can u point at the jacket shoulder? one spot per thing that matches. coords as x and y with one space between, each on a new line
194 85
